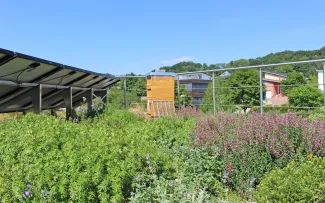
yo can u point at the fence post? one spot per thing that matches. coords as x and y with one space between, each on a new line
213 94
261 92
324 83
178 94
125 93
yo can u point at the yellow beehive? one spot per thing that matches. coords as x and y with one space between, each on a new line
160 93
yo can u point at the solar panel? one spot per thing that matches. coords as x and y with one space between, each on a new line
20 74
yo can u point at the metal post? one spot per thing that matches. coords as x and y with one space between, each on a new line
68 103
324 83
213 94
36 97
261 92
125 93
89 99
178 94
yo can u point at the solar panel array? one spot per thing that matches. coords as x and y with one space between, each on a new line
19 73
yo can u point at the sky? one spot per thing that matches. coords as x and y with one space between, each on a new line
120 36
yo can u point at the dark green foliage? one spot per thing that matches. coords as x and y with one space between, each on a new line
245 96
222 96
198 179
185 100
279 57
306 96
191 66
236 93
295 183
293 78
116 98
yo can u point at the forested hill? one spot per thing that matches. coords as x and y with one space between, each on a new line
284 56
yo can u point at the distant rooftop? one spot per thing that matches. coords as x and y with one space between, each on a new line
161 74
195 76
225 74
275 73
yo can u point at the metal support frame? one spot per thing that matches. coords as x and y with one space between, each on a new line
178 94
103 97
67 96
124 93
261 91
213 94
35 95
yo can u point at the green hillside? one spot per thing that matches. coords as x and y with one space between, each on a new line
284 56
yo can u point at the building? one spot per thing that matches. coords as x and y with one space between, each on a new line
274 95
320 79
196 85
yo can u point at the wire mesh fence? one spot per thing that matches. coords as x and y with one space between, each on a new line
261 94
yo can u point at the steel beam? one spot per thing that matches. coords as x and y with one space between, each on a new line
324 83
261 92
213 94
67 96
36 97
124 93
178 94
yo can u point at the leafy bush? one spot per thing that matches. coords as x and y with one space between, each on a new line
306 96
295 183
198 179
318 114
92 161
294 78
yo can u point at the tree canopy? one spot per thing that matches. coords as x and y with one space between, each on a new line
293 78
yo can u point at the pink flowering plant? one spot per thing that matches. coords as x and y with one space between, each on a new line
254 144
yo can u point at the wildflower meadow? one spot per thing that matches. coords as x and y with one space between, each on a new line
119 156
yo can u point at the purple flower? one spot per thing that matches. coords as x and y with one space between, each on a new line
27 193
29 185
77 120
250 189
224 180
225 174
24 196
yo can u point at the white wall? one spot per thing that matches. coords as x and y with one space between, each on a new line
320 79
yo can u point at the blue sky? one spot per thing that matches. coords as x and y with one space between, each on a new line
119 36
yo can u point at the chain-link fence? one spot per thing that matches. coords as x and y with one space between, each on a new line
243 89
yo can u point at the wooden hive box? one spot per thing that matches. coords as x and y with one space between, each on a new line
160 93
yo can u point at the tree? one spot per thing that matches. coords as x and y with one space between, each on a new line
185 98
244 95
306 96
284 69
293 78
222 96
137 85
116 98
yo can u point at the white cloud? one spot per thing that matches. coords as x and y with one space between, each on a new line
176 60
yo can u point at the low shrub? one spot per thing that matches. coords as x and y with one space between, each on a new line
295 183
197 179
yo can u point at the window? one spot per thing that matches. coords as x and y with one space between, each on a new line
199 87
